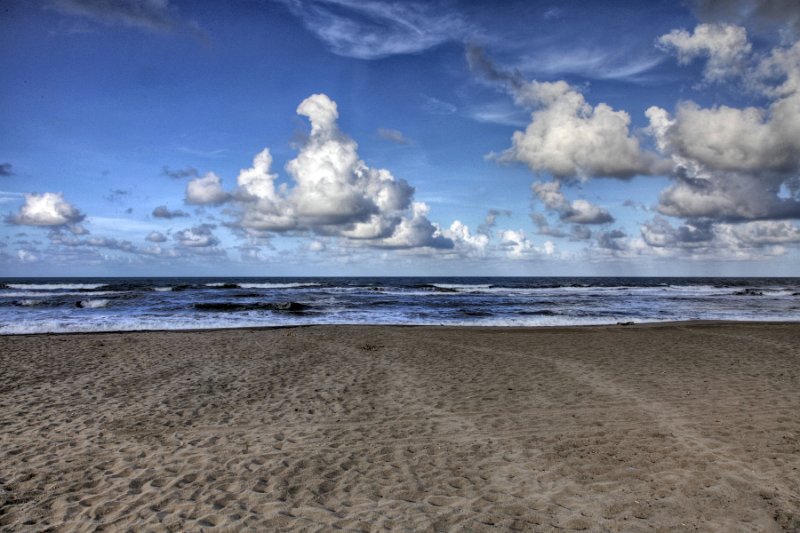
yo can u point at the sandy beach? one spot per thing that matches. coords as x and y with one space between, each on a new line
681 427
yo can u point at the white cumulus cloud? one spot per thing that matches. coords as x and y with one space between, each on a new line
725 46
206 191
732 163
46 209
567 137
333 191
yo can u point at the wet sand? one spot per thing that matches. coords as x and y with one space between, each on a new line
682 427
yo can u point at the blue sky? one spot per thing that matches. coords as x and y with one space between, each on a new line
334 137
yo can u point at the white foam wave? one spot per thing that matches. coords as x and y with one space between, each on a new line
276 285
74 325
54 286
457 286
94 304
162 289
29 303
37 294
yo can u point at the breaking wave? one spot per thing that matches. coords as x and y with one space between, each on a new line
92 304
291 307
55 286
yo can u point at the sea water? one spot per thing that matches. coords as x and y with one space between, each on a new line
40 305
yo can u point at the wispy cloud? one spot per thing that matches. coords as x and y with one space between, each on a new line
116 195
436 106
596 64
218 152
376 29
150 15
179 173
394 136
8 197
499 112
114 224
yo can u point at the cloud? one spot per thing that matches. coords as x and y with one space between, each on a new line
372 29
553 13
9 196
115 195
197 237
150 15
206 191
708 239
188 172
567 137
333 192
766 232
163 212
77 229
593 63
416 231
490 221
394 136
765 15
435 106
660 233
731 164
213 153
725 46
111 244
27 256
47 209
577 211
543 226
60 238
579 233
614 240
6 170
156 236
333 185
500 112
516 244
466 243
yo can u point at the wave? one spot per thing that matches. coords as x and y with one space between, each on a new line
456 286
434 288
540 312
290 307
55 286
228 285
475 312
277 285
37 294
30 303
92 304
162 289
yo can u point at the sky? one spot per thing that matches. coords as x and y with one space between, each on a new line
365 137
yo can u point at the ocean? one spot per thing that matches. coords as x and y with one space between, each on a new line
50 305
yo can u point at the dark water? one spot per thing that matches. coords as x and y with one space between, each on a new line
107 304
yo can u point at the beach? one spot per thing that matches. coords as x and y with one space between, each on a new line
648 427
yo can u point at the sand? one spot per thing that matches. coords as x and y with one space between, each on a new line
683 427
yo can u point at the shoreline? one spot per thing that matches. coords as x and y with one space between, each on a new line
633 325
654 427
